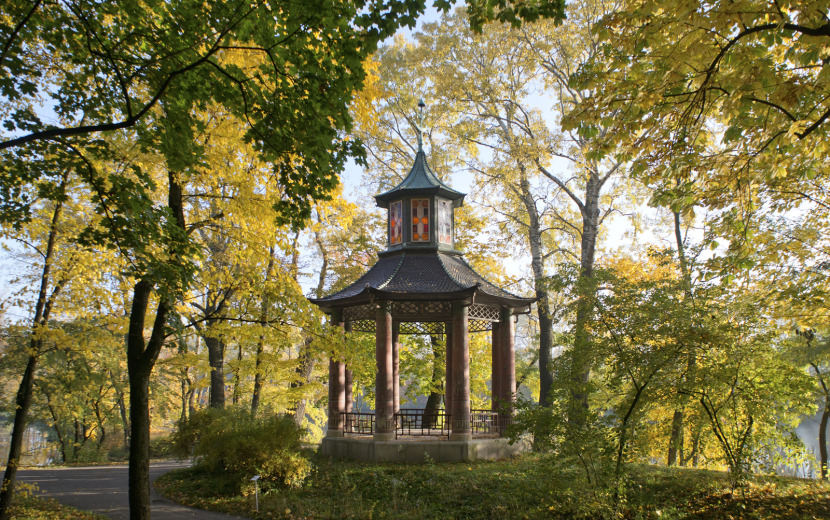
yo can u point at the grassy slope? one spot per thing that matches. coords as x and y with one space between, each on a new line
532 486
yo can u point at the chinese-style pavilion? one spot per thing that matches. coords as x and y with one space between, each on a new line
422 285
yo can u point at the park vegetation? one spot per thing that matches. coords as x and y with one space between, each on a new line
654 173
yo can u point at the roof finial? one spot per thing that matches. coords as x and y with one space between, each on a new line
419 126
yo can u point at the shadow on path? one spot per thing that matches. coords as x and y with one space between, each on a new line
103 490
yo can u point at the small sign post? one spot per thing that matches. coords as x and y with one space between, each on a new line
255 480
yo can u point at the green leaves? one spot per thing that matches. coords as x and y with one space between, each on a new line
514 13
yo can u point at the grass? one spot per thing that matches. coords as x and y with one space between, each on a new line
27 507
531 486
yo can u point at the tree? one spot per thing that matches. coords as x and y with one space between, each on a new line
288 71
716 103
493 81
53 260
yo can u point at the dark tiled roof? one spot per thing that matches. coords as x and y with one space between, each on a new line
463 274
409 273
420 180
376 277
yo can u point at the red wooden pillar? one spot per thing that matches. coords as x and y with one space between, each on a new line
508 369
460 373
384 380
337 389
337 397
349 401
396 365
496 393
448 362
349 398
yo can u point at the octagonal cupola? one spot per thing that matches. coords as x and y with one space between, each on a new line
420 210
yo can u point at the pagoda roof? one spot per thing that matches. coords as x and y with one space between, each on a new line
435 276
421 180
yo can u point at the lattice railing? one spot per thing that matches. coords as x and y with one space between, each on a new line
422 327
360 313
422 309
480 326
427 317
484 312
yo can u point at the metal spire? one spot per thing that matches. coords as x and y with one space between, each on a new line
419 126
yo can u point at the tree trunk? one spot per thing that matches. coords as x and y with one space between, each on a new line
586 287
23 399
184 389
237 378
102 435
537 263
258 379
430 419
22 402
304 371
216 358
260 347
141 357
122 408
676 437
822 438
140 360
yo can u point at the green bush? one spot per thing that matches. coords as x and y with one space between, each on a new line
162 448
231 440
89 453
118 453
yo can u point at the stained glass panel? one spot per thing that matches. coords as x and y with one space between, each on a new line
395 223
420 220
444 221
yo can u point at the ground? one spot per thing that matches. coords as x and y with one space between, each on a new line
531 486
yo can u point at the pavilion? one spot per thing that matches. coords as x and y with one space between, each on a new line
422 285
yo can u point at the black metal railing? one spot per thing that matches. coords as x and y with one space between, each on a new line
359 423
413 421
484 421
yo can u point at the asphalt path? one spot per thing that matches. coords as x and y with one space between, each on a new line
103 490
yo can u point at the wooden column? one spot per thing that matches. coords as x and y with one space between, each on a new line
448 361
396 365
384 380
508 368
337 388
349 400
496 393
460 373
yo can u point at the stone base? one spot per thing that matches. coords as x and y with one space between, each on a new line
417 451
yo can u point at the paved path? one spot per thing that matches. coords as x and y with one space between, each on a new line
103 489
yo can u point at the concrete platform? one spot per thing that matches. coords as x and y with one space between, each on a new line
414 450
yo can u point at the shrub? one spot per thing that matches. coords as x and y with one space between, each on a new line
162 447
231 440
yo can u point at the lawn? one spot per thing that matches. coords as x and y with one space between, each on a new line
531 486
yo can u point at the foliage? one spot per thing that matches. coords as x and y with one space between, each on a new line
719 104
107 67
514 12
530 486
232 441
27 507
718 352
